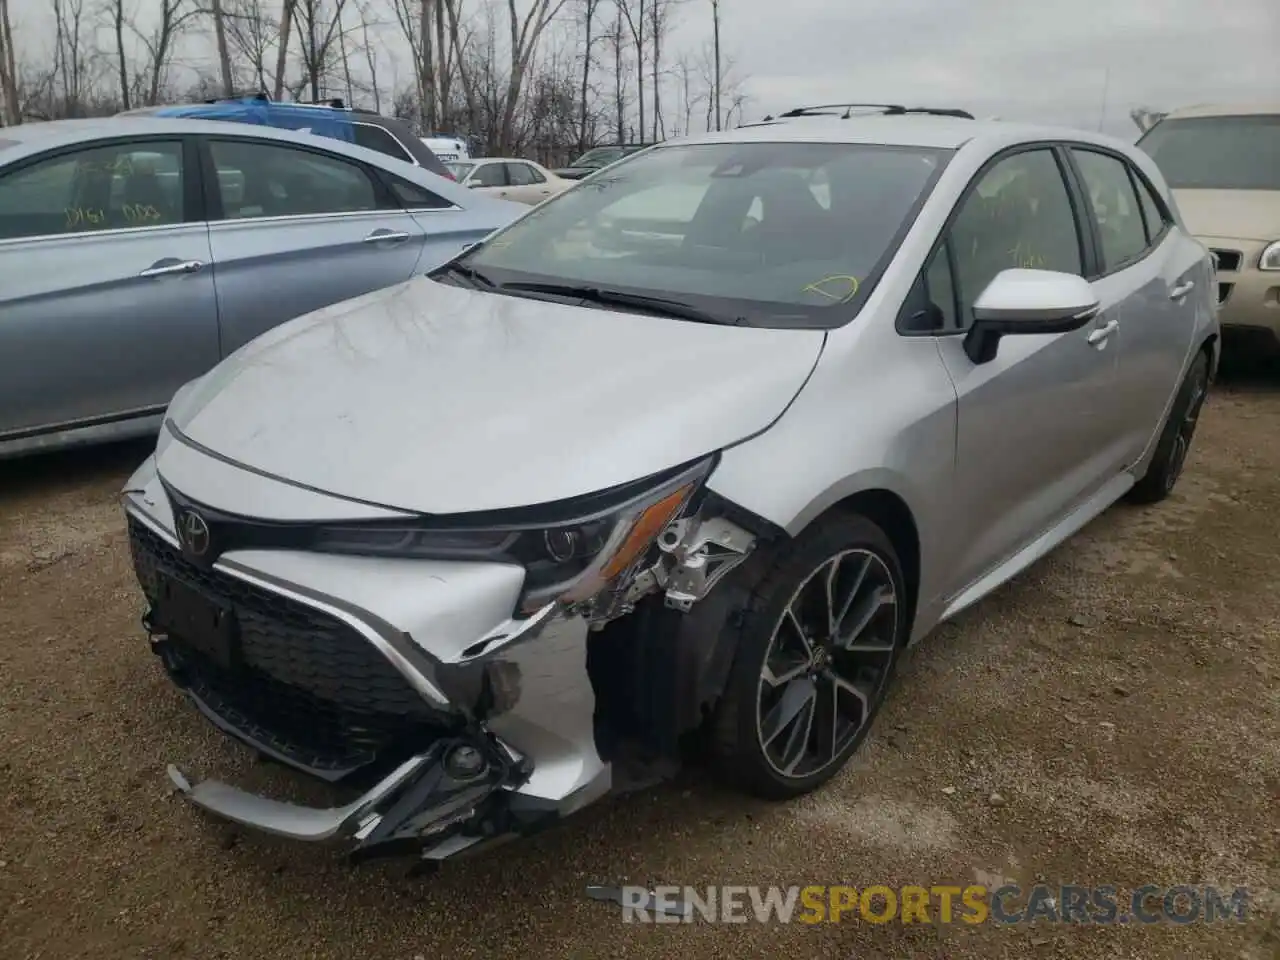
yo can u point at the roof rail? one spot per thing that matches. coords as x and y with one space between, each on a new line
846 110
332 103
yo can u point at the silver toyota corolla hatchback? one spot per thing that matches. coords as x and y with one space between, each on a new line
681 459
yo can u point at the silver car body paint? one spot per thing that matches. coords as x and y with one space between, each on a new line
427 398
92 346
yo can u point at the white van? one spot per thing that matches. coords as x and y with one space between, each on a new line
447 148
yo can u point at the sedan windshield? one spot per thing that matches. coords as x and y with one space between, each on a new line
774 234
1217 153
459 170
598 157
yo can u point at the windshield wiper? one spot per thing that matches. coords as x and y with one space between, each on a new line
636 301
477 278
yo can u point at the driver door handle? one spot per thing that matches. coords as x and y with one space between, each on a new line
1100 335
1181 290
162 268
388 236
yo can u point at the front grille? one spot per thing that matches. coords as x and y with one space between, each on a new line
307 685
1228 261
1224 291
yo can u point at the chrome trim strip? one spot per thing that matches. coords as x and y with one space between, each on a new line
506 634
287 819
398 660
223 226
190 226
421 684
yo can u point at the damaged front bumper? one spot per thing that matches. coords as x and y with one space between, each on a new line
433 805
453 724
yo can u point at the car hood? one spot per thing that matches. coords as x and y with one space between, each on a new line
438 399
1231 214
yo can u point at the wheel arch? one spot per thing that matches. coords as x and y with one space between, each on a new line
890 512
666 670
1211 347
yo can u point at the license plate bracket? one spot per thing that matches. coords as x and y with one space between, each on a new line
190 617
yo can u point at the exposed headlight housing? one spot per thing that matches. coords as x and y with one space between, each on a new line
569 556
1270 259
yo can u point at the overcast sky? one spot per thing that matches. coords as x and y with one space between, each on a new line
1045 59
1041 60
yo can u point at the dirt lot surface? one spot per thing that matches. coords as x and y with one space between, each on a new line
1121 698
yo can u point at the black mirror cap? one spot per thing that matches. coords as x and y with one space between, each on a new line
984 334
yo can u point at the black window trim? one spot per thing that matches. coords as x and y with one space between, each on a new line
385 179
1086 234
1101 271
1141 182
386 202
192 205
408 155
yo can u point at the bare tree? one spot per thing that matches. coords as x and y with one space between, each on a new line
524 35
689 101
118 18
69 78
252 34
159 42
659 22
633 12
282 47
417 19
317 33
715 47
589 10
224 52
370 58
11 107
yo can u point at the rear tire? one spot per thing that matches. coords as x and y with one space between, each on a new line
1174 444
815 648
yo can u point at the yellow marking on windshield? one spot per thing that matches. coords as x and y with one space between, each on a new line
141 213
1026 258
83 216
820 288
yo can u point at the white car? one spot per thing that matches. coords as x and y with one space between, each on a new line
521 180
492 543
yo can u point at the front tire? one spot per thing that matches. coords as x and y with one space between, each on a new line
1175 439
815 648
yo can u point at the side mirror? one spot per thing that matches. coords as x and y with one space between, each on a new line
1021 301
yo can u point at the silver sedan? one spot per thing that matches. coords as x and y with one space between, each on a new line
137 252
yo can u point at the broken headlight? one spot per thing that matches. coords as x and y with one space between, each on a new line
570 556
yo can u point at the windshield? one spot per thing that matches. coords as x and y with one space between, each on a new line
598 157
778 234
1217 153
459 170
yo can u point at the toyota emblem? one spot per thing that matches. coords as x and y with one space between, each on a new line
194 533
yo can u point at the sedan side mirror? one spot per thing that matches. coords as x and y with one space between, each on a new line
1021 301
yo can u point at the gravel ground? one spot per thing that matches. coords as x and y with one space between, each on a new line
1120 697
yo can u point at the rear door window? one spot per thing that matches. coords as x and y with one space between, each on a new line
259 179
523 175
1115 207
1152 214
